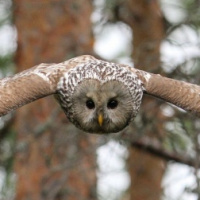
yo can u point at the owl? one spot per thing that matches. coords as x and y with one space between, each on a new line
100 97
97 96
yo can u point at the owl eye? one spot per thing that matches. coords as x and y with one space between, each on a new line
90 104
112 104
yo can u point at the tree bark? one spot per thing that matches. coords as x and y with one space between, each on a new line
146 170
53 159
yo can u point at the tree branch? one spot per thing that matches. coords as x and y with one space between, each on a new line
156 150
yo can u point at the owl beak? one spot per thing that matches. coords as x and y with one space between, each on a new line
100 119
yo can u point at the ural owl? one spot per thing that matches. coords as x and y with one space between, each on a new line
101 97
97 96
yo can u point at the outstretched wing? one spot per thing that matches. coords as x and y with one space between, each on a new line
179 93
34 83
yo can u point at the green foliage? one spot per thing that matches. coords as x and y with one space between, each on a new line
6 65
7 146
5 11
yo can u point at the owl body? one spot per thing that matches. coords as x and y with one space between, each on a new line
100 97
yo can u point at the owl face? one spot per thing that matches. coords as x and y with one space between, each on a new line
101 108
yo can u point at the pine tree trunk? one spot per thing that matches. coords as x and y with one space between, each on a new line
145 19
53 159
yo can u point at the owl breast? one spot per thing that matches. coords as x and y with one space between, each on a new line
100 97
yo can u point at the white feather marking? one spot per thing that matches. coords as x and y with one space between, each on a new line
43 76
147 76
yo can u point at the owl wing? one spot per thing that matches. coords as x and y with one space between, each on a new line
34 83
42 80
24 87
178 93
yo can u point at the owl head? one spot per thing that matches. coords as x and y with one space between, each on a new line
101 108
100 97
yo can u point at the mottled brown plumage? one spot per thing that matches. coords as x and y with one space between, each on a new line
100 82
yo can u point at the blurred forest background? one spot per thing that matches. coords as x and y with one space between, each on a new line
43 156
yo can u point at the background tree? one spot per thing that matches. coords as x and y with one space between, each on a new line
146 22
145 19
53 160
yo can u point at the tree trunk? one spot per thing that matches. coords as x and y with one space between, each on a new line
53 159
145 19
